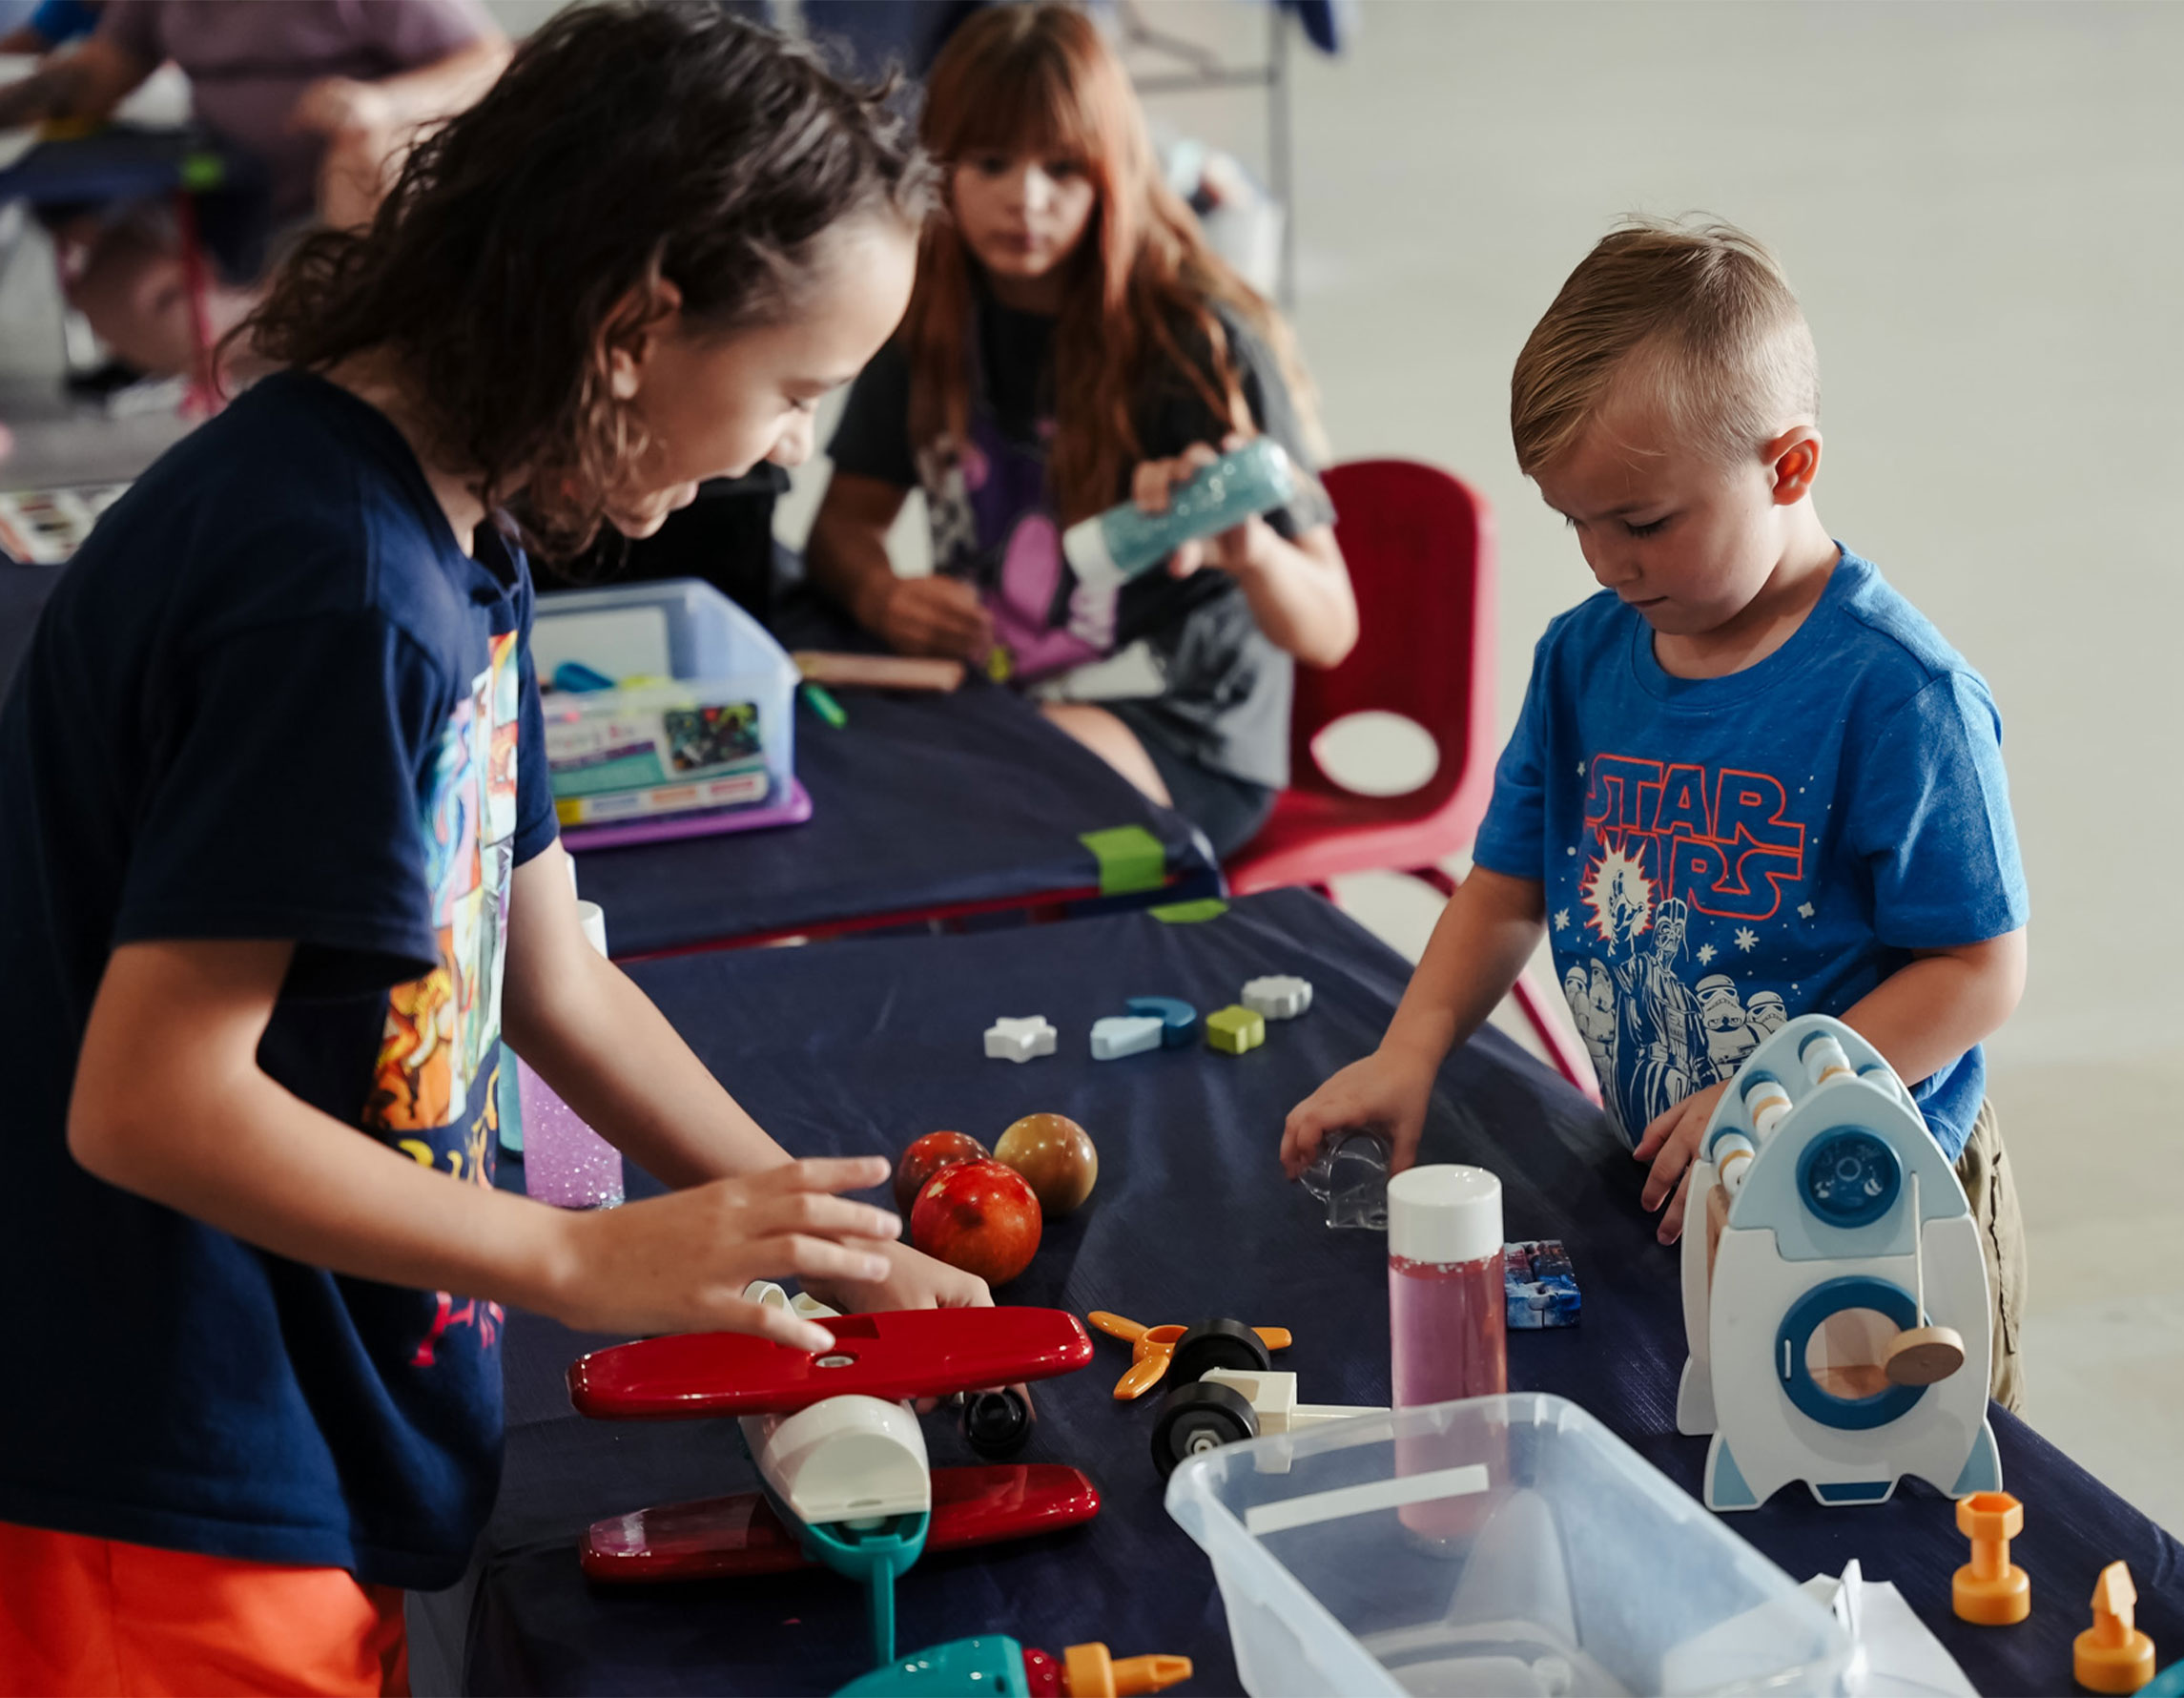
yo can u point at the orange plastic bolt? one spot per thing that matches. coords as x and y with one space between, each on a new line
1087 1671
1989 1590
2111 1655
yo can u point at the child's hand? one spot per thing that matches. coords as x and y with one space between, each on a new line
679 1263
932 616
1235 550
913 1280
1384 1093
1671 1143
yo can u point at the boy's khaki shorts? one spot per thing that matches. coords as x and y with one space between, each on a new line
1990 1186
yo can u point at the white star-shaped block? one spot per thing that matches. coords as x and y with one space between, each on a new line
1117 1035
1279 996
1021 1039
1804 910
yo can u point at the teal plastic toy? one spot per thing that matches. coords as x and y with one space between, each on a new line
992 1662
995 1666
873 1556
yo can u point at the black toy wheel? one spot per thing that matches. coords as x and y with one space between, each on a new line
1217 1344
996 1423
1200 1418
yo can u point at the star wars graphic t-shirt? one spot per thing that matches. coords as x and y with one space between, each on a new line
1213 688
271 698
1723 853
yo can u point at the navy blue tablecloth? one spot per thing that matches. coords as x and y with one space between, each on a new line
921 802
862 1045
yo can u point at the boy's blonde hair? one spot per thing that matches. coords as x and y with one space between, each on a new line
1702 315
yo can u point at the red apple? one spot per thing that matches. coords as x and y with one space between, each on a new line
1052 1151
925 1157
979 1217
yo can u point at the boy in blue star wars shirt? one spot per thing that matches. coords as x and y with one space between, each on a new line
1750 780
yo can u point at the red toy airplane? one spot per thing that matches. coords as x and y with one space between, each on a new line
842 1457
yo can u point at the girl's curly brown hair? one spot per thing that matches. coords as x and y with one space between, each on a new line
627 143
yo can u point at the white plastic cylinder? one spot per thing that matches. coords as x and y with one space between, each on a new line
1824 1057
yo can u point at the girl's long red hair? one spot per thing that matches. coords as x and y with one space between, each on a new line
1142 287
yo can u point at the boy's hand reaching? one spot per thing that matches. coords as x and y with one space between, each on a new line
1386 1094
1671 1143
679 1263
913 1280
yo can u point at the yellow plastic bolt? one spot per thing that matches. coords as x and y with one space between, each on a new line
1989 1590
2111 1655
1087 1671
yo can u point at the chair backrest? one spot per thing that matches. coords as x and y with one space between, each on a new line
1419 543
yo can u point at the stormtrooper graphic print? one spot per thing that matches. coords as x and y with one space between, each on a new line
1659 929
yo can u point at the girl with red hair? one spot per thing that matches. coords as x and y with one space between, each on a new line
1073 341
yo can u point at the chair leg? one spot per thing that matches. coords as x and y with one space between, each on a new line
1551 1023
203 399
1545 1013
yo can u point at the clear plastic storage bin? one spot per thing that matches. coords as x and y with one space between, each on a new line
1560 1561
681 628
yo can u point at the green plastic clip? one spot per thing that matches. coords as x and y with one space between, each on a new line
822 702
1130 858
1207 907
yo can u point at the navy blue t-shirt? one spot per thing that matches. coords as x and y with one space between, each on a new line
272 697
1721 855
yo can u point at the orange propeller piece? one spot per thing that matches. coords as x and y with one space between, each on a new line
1151 1348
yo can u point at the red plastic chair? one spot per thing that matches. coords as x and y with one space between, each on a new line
1420 547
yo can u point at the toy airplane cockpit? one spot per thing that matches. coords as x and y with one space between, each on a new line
1835 1298
839 1451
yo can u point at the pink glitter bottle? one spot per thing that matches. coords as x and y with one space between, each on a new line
566 1163
1446 1316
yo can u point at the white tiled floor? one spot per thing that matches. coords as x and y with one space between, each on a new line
1978 205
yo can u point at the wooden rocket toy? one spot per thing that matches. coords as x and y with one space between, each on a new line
1835 1299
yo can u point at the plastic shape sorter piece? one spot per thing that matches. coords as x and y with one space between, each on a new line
1019 1039
1990 1590
896 1354
2113 1655
1118 1035
1179 1019
1279 996
1234 1030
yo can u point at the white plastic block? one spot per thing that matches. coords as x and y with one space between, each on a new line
1118 1035
1021 1039
1279 996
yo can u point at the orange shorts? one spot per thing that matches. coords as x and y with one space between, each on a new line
97 1616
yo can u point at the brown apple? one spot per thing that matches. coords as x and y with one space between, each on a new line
1054 1154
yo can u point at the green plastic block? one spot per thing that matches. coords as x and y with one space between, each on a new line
1130 858
1235 1028
1207 907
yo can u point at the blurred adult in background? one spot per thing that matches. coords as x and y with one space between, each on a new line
314 102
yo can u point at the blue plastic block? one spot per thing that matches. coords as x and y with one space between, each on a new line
1123 1034
1179 1019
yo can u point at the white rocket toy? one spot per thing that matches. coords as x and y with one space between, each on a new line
1834 1295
